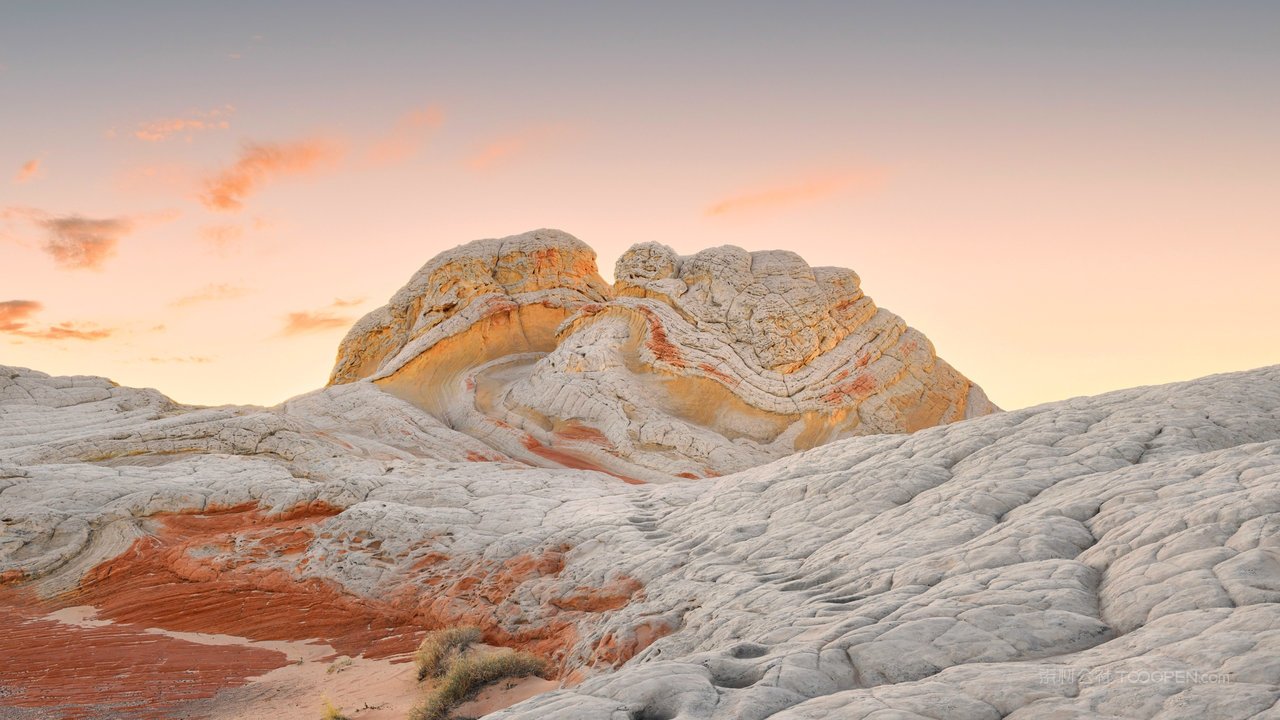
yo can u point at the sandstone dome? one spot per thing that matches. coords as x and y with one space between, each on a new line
688 366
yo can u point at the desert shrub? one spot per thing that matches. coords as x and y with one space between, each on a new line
330 711
439 646
467 675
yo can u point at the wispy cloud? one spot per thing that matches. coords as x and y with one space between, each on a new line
805 190
504 149
70 331
210 293
77 242
29 171
259 164
74 241
194 359
221 237
14 314
297 323
407 137
162 129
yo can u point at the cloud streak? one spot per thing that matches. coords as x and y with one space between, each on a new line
14 314
162 129
505 149
80 243
210 293
407 137
813 188
29 171
70 331
261 163
298 323
195 359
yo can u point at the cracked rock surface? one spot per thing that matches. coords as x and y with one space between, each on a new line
1114 556
727 486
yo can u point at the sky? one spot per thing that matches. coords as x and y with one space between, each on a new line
1065 197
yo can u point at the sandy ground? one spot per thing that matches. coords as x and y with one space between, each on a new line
363 689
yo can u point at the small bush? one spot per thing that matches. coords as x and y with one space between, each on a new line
331 711
467 675
439 646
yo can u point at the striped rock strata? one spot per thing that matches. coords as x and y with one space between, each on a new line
1102 557
687 367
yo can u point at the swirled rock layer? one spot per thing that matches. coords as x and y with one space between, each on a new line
686 367
1115 556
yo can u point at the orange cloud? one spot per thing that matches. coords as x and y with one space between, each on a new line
505 148
14 314
77 242
260 163
69 331
29 171
810 189
407 137
210 293
297 323
163 128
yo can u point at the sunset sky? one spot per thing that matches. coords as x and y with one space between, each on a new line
1066 198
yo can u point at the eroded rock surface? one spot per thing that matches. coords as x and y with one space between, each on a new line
1115 556
688 367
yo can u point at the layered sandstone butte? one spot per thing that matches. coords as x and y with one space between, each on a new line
687 367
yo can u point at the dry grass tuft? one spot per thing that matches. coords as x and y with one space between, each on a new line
467 675
330 711
439 647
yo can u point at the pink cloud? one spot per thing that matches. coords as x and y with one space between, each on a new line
77 242
14 314
29 171
70 331
162 129
407 137
812 188
259 164
504 149
297 323
210 293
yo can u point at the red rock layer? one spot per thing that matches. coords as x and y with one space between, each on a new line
204 573
199 573
113 671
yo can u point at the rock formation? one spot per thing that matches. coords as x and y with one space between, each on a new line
688 367
1024 564
1114 556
